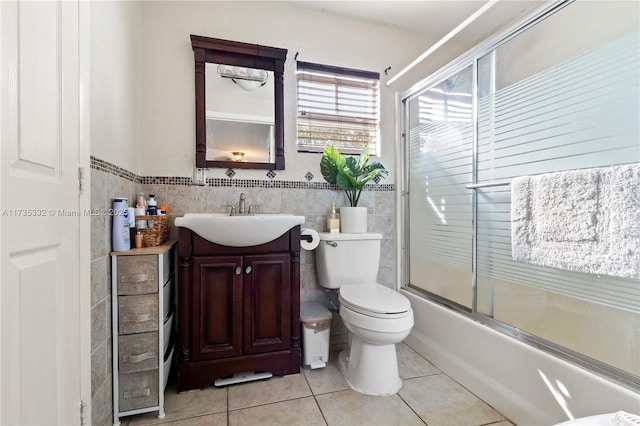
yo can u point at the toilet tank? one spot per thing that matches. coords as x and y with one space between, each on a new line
343 259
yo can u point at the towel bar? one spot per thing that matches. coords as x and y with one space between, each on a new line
487 184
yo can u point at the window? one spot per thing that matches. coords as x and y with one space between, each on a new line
338 106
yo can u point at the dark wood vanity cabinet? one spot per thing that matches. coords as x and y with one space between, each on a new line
241 304
238 308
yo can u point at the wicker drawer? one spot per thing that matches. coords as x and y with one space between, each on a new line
138 314
138 390
138 352
137 274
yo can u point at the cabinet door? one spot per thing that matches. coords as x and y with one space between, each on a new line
217 307
267 303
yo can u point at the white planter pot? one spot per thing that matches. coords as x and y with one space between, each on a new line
353 220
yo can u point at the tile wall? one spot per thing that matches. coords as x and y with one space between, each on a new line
311 199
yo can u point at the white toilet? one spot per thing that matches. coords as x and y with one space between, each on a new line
376 316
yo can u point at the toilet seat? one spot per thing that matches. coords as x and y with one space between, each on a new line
375 300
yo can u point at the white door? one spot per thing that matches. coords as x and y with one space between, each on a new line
42 313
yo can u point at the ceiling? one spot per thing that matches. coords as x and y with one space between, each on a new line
433 18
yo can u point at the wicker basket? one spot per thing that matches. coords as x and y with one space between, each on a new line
157 235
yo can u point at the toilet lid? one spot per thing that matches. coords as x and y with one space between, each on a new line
374 299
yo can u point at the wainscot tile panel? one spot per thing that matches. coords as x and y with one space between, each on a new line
311 199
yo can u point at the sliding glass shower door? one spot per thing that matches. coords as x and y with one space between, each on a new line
554 96
538 113
440 136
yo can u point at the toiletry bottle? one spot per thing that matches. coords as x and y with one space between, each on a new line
141 210
333 220
152 205
132 225
140 202
120 227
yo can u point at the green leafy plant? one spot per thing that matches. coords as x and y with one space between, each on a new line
351 173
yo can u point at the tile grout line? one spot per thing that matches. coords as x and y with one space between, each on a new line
228 411
410 407
313 394
315 399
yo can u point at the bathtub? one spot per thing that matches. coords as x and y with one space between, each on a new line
525 384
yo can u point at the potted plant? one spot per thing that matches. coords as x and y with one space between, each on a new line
350 174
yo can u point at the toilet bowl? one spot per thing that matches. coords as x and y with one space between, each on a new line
376 317
370 364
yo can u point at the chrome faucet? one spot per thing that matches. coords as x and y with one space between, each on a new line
241 208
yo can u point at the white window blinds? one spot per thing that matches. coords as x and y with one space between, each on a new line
338 106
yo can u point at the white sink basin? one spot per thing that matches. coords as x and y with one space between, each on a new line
239 231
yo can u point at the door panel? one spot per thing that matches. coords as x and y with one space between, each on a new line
267 303
217 307
41 319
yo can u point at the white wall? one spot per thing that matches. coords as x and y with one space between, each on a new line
168 139
115 98
116 91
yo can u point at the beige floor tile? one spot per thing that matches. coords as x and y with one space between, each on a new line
352 408
411 364
219 419
268 391
179 406
327 379
439 400
303 411
427 396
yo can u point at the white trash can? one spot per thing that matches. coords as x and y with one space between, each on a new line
316 325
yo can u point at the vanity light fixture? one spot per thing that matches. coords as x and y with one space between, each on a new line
247 78
248 85
238 155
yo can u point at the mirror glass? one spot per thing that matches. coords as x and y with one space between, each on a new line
240 114
239 100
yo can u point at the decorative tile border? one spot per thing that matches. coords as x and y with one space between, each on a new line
107 167
166 180
104 166
284 184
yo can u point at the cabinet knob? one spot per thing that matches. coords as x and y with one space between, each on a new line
248 270
238 270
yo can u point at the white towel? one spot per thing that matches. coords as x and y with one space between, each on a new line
582 220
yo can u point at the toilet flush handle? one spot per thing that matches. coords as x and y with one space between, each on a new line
332 243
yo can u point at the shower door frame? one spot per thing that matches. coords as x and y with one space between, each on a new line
471 58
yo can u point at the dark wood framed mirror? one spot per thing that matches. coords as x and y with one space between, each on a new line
239 120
